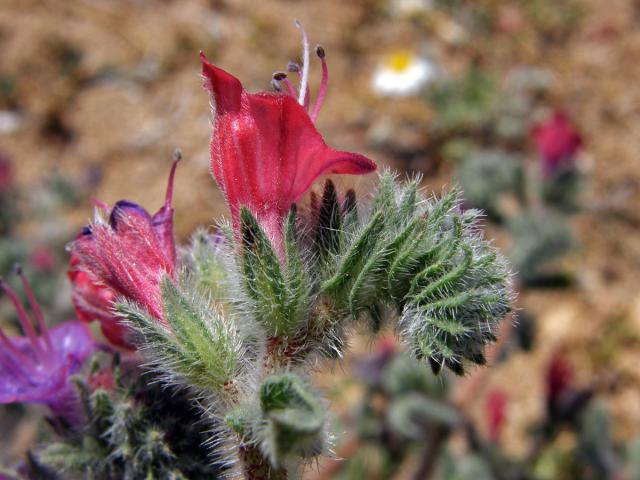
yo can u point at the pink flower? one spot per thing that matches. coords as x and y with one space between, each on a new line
43 259
129 255
496 413
265 149
510 20
557 141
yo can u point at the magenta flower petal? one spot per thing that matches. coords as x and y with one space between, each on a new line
266 151
129 255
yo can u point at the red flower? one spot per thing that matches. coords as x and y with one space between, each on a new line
128 255
6 174
93 301
557 141
265 149
496 413
559 377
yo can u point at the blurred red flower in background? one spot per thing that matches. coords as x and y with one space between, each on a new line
6 174
496 407
557 141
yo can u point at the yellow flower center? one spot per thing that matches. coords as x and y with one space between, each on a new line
399 61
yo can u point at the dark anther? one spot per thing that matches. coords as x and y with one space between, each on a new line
279 76
293 67
320 51
275 85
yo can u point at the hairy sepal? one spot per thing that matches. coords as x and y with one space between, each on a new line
200 348
205 258
427 259
286 422
277 288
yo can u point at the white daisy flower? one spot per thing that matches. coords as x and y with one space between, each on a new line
403 74
10 121
407 8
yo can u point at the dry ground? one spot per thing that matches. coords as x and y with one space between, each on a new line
130 119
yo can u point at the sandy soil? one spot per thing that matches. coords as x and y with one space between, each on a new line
135 95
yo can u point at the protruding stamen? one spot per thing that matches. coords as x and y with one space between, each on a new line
323 84
177 156
9 362
294 67
104 206
304 82
290 88
281 77
35 307
14 353
22 316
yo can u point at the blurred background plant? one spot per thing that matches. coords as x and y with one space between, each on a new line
515 101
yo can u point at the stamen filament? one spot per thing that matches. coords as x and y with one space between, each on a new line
35 307
22 316
276 85
323 84
177 156
15 351
293 67
104 206
290 88
304 82
9 363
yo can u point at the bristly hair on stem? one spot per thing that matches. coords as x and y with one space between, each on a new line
237 320
245 323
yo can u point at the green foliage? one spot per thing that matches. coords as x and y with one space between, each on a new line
488 176
426 259
204 261
633 458
412 414
405 375
286 421
294 418
595 446
139 429
198 344
562 189
277 290
247 316
465 467
464 103
538 238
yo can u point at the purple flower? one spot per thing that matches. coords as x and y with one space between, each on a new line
36 367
